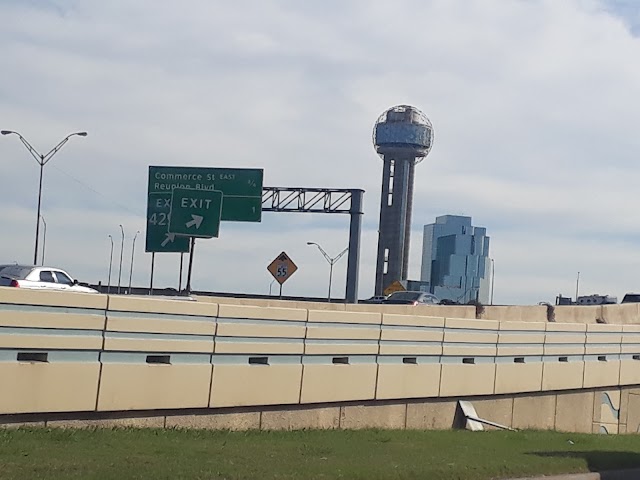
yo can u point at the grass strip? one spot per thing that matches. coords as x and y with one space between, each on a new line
314 454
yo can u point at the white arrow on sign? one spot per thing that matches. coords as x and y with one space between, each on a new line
195 220
169 237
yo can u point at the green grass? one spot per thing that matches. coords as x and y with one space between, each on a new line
370 454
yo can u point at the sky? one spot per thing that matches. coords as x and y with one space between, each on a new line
534 103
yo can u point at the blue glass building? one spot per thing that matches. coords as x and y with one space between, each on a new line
455 259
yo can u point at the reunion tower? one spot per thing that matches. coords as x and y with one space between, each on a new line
402 136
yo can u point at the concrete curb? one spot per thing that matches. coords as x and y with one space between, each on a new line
631 474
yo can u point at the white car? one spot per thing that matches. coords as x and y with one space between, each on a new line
40 278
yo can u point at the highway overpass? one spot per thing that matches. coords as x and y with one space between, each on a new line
81 359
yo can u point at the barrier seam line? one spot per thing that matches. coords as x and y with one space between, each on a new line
495 363
215 332
375 388
104 329
584 356
304 351
555 412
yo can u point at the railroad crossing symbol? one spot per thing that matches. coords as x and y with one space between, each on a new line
282 268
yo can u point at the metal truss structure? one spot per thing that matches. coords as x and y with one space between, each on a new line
312 200
324 200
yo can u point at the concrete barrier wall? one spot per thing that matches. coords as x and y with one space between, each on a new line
74 352
516 313
258 356
622 314
409 357
50 343
519 355
340 352
157 354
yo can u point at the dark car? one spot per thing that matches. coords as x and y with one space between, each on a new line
631 298
375 299
447 301
412 298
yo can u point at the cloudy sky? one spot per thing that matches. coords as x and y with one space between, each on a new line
535 105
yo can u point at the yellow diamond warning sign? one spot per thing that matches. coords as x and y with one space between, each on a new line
394 287
282 268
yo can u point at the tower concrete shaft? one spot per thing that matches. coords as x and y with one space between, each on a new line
394 235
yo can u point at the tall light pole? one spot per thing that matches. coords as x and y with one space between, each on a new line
331 261
42 161
44 237
110 265
133 249
121 252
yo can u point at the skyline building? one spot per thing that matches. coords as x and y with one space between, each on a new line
455 259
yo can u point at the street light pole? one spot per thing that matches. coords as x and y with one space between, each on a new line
133 249
121 252
42 161
44 237
330 277
331 262
110 264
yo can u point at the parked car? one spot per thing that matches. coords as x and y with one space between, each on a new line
631 298
447 301
375 299
412 298
40 278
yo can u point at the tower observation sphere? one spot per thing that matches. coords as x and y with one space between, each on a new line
403 131
403 137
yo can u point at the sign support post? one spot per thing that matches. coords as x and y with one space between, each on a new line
193 244
180 279
353 260
153 261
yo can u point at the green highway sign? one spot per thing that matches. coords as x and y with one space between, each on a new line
195 213
158 237
242 209
241 187
242 199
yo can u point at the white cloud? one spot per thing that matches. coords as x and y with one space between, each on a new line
533 105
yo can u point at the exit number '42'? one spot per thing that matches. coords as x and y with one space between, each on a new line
158 219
